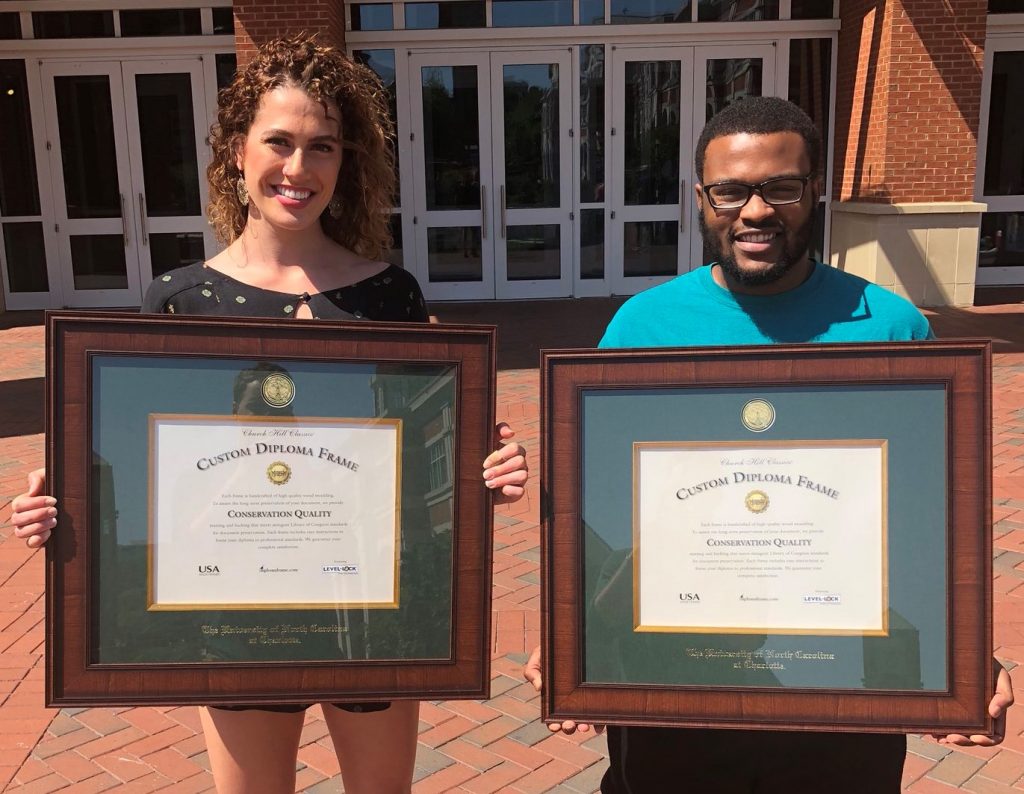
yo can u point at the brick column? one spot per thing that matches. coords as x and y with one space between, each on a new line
908 98
258 21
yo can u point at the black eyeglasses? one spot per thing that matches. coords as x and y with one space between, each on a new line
777 192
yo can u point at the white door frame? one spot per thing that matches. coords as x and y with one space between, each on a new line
145 225
1009 42
67 228
562 215
424 219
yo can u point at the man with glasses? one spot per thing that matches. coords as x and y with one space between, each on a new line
758 165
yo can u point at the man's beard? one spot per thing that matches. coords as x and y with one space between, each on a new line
791 255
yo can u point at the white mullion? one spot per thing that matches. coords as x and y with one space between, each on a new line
117 23
28 6
782 52
27 28
206 21
785 9
397 15
607 12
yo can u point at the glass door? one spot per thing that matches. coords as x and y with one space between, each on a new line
164 104
128 166
532 170
1000 176
663 98
88 143
451 118
652 145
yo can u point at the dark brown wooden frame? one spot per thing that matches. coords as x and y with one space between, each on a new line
71 680
962 366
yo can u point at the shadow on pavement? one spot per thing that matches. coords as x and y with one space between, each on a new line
23 407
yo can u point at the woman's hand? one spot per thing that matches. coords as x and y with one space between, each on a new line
505 469
34 514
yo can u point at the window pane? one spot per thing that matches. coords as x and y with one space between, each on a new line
591 12
813 9
1002 240
451 137
97 261
998 6
592 243
652 132
636 11
168 251
810 83
1004 158
372 16
227 65
453 254
396 255
88 152
26 257
433 16
10 26
729 80
163 22
19 186
530 13
591 123
737 10
650 248
223 21
533 252
73 24
531 135
167 136
382 62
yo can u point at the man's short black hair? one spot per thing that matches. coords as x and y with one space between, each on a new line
760 115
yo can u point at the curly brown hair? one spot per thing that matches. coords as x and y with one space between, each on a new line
366 181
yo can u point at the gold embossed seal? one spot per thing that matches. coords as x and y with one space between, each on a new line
279 472
278 390
758 415
756 501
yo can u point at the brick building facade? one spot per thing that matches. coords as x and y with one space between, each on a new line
544 146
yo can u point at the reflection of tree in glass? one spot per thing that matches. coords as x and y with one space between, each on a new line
531 135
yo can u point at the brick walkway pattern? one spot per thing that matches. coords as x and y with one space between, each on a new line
493 745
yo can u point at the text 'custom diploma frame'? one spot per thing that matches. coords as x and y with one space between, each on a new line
784 537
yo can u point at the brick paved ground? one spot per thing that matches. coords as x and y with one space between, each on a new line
494 745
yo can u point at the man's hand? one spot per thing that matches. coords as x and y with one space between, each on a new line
997 707
505 470
531 672
33 513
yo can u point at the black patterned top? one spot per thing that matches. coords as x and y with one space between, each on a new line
391 295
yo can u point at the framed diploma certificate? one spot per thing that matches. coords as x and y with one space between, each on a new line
263 511
785 537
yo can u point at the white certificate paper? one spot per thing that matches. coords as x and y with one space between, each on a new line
269 513
761 537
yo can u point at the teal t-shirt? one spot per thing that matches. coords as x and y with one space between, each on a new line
831 306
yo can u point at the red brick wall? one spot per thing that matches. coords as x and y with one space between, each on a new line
258 21
908 96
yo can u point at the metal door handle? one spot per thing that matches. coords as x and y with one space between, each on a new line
682 206
142 219
502 212
124 223
483 212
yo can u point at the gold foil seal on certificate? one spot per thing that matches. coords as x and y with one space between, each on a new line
756 501
278 390
758 415
279 472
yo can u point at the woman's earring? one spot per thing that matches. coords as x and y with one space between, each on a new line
334 207
242 192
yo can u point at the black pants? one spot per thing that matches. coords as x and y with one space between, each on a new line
656 760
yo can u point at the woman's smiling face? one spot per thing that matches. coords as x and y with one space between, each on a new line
291 158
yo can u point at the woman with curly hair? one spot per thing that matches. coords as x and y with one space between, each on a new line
300 180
